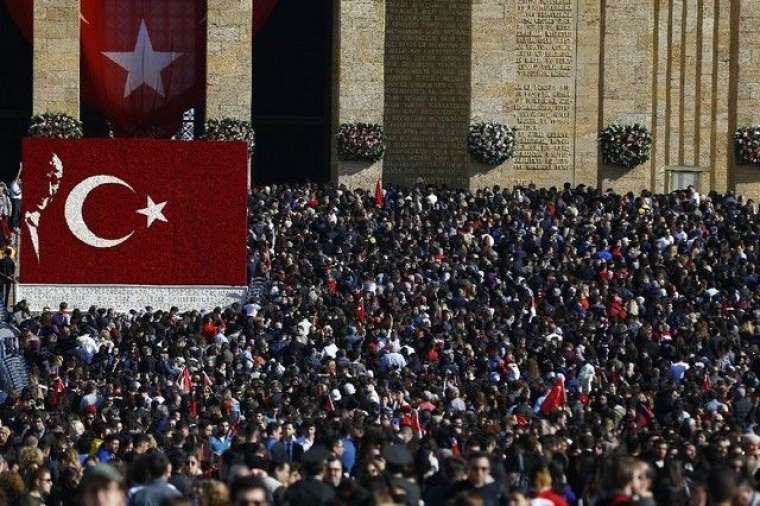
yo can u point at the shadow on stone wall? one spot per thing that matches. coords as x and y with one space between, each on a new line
747 180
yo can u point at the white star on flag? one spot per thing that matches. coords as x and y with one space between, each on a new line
153 211
144 64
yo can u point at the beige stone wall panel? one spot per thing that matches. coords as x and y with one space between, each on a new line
56 57
229 66
360 53
627 74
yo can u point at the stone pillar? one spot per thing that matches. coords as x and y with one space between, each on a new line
627 82
229 69
56 57
360 55
524 68
428 48
493 75
587 120
747 177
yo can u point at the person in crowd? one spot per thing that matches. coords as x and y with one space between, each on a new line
102 485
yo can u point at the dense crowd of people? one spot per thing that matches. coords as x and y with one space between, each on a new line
418 346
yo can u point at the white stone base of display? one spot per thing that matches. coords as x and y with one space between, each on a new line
125 297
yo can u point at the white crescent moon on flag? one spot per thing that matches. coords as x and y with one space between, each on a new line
73 211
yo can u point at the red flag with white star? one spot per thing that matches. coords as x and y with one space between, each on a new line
134 212
144 61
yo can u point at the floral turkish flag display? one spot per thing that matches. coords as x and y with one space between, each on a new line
136 212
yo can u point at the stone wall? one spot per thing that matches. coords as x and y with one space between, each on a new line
56 57
747 177
360 26
524 73
686 69
427 91
229 66
626 82
557 70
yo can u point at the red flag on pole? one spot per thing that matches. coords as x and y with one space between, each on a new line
556 397
379 195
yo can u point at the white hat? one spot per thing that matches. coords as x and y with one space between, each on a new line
349 389
335 395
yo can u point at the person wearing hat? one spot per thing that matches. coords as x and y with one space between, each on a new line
399 460
312 490
102 485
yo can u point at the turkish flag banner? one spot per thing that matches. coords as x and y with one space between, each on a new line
134 212
144 61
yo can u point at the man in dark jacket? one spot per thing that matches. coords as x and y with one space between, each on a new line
312 490
159 490
7 271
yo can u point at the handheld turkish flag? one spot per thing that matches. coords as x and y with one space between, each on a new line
186 381
556 397
134 212
379 195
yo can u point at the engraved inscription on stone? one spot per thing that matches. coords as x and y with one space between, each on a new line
545 86
123 298
427 91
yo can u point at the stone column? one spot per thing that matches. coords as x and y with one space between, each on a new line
524 71
747 177
626 73
229 69
56 57
494 72
428 47
360 55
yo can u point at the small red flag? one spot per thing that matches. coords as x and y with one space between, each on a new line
706 382
361 313
185 380
556 397
379 195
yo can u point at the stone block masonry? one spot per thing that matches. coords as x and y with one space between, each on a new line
229 63
427 91
56 57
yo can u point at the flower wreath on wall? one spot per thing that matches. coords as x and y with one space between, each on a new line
360 142
491 143
55 125
747 142
229 129
625 145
